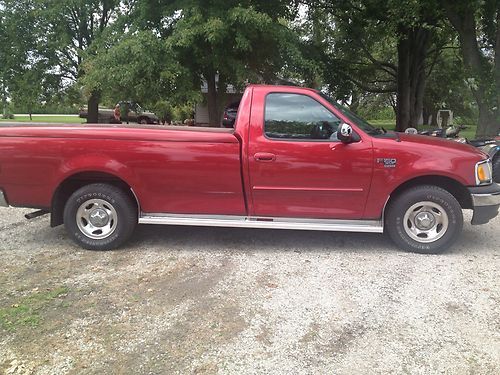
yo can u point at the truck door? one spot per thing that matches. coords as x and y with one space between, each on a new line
297 166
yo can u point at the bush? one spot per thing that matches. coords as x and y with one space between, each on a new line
8 116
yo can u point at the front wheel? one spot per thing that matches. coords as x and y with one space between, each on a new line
100 217
424 219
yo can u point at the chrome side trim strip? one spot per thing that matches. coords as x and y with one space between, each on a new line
3 200
366 226
313 189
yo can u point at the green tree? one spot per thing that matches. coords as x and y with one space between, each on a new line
446 87
72 26
18 42
223 42
27 89
382 47
139 67
478 26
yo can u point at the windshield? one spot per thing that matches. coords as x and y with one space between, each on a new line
362 124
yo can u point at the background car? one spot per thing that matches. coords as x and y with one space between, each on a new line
229 116
135 114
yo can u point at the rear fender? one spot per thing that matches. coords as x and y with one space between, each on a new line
98 164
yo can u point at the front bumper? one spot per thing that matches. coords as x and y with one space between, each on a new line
3 200
485 203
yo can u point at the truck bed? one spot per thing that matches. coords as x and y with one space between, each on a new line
170 169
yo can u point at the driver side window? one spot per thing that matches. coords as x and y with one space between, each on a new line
298 117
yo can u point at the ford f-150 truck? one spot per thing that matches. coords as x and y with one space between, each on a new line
295 160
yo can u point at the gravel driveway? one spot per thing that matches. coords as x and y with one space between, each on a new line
234 301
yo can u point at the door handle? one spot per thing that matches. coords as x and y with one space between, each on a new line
264 156
335 146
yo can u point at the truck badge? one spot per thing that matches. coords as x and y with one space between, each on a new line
387 162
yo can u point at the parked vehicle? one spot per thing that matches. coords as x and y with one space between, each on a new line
295 160
449 132
135 114
229 116
492 148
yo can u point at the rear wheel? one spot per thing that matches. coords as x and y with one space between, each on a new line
424 219
100 217
143 121
496 169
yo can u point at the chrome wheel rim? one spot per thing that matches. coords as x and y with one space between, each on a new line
96 219
426 222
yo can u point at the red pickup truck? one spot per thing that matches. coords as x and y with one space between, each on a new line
295 160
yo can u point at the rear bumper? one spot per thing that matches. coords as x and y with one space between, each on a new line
3 200
485 203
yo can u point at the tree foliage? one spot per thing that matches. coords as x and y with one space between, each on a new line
477 25
72 27
17 42
414 56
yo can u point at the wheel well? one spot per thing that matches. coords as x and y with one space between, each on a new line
455 188
77 181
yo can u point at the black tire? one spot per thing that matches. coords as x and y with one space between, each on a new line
143 121
496 168
113 211
439 212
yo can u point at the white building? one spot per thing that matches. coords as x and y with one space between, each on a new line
201 109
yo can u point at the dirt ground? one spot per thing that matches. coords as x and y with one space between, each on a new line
233 301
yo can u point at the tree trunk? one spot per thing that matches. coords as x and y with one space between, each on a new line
93 108
354 101
434 122
417 104
213 111
221 97
429 115
4 99
488 126
420 40
497 74
403 93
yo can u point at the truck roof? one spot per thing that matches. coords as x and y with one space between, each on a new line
281 87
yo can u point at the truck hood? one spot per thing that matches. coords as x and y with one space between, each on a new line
425 140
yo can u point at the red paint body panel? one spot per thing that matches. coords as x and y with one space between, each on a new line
311 179
218 171
169 170
419 156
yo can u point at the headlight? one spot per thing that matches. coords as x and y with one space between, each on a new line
484 172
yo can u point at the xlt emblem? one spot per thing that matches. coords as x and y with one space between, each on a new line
387 162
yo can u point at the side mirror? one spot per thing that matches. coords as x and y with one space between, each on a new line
345 133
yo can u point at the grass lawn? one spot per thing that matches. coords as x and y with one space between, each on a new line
469 133
61 119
